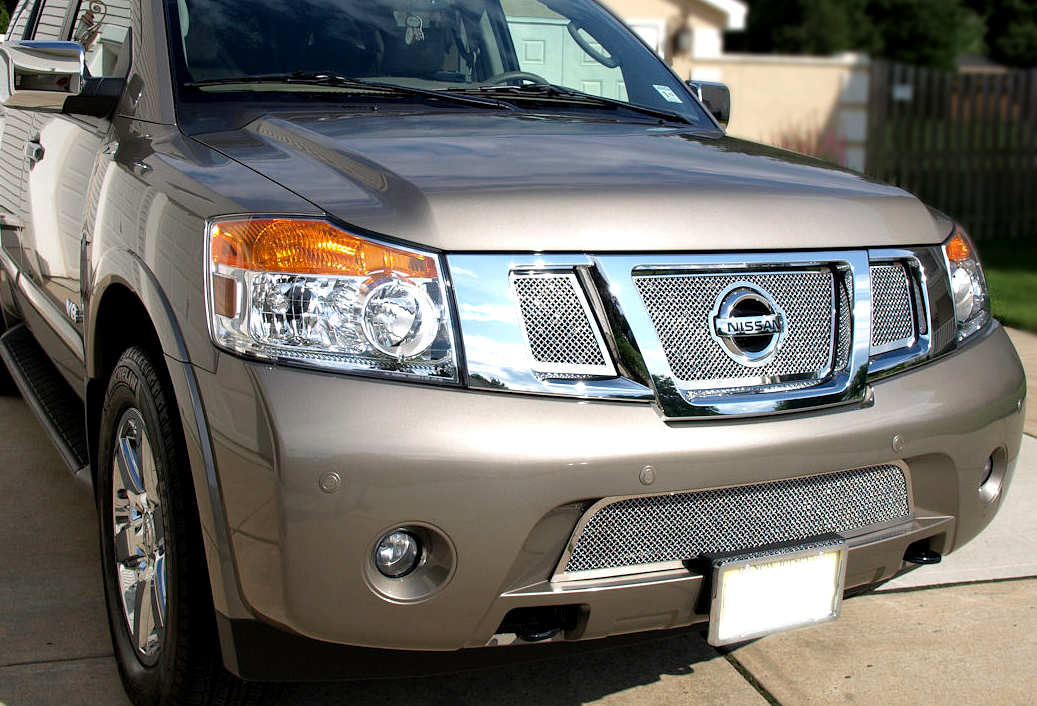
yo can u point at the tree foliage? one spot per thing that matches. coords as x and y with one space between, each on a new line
817 27
1011 30
924 32
6 10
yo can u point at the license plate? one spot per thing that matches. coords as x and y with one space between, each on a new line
761 593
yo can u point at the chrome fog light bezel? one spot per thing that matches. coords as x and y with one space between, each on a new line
992 476
430 574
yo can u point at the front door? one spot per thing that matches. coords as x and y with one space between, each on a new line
64 156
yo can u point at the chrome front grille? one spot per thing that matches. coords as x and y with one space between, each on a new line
680 308
626 535
680 329
892 318
561 336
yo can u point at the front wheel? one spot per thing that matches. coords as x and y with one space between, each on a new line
155 579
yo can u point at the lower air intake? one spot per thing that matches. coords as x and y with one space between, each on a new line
626 534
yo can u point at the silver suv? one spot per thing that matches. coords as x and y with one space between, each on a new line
394 336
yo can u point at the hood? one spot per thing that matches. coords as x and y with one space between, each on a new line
491 182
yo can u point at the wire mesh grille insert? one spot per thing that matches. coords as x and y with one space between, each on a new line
559 330
680 307
844 341
892 320
670 528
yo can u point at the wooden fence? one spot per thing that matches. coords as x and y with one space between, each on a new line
965 144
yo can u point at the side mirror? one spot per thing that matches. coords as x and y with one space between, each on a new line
40 75
53 76
716 97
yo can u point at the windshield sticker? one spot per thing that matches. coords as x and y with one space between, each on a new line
667 93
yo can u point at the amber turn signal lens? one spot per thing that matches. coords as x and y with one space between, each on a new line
958 249
310 247
224 296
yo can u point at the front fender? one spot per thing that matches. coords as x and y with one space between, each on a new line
119 269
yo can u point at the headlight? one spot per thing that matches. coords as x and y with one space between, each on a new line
303 290
968 286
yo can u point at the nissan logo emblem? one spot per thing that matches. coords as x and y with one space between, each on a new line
748 324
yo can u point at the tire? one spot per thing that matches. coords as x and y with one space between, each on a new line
155 578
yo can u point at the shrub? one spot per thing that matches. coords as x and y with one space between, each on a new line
824 144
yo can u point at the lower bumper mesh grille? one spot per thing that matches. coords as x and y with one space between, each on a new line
671 528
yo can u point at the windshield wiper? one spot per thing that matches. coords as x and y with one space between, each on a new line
571 96
325 78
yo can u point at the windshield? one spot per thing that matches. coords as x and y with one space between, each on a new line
510 50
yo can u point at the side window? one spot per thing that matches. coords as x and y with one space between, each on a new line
102 27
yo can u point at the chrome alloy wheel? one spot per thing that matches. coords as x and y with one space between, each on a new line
140 558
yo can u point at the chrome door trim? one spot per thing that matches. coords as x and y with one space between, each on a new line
56 319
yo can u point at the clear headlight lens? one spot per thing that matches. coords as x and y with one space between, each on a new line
968 285
304 290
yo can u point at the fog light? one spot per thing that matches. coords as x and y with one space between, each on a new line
397 554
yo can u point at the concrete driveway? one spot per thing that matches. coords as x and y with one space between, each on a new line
964 631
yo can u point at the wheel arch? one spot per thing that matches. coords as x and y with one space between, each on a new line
127 307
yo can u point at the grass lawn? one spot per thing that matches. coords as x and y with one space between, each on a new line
1012 276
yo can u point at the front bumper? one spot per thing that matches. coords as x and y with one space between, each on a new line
500 475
